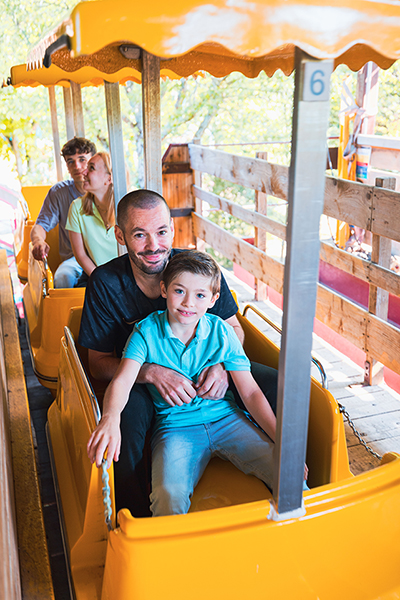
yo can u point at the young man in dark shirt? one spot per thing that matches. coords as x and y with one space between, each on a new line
124 291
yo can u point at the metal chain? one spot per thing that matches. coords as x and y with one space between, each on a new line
357 433
106 494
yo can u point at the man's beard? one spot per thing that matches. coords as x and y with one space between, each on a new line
149 269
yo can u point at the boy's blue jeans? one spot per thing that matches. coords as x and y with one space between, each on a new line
181 454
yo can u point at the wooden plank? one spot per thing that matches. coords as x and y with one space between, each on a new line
260 236
348 201
383 342
151 121
198 203
253 260
385 158
35 573
177 186
69 113
253 173
56 133
363 269
374 173
79 124
249 216
378 300
386 213
341 315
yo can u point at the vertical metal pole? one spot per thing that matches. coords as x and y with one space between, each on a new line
56 134
114 123
69 113
78 110
306 199
151 122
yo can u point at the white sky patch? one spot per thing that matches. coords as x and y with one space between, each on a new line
226 26
328 23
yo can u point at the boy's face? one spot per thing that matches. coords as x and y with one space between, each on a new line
188 297
77 166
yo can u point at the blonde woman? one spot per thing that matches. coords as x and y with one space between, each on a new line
91 219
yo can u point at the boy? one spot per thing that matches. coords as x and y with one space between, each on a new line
189 432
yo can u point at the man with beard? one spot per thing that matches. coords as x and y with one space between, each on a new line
124 291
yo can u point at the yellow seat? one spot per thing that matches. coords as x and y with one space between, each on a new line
46 314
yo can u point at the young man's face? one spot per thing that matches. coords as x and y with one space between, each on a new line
148 235
77 166
188 297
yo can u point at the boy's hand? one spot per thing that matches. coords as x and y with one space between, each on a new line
106 436
173 387
212 382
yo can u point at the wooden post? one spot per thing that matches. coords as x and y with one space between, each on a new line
69 113
78 110
260 236
151 121
378 298
56 134
198 205
177 178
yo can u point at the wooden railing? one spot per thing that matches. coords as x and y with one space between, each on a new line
372 208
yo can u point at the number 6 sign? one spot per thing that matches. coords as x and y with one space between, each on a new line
316 81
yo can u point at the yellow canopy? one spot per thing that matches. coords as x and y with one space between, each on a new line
85 76
227 35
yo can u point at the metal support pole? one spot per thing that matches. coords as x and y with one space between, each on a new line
56 134
78 110
114 123
151 122
306 200
69 113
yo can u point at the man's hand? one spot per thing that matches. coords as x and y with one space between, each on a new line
212 382
106 436
174 388
40 250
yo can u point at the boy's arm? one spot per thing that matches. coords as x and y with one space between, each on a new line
255 401
107 435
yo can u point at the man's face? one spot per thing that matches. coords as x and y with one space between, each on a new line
77 166
148 235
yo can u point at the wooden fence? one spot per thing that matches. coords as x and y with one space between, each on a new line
371 208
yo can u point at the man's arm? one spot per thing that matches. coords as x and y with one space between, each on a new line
173 387
40 248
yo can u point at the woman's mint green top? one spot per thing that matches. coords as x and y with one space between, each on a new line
100 244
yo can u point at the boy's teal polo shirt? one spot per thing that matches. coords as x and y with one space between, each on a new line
215 342
100 244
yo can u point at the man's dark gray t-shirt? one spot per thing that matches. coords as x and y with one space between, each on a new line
55 211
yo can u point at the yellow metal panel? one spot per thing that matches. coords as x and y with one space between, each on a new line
34 196
85 76
237 32
46 317
238 553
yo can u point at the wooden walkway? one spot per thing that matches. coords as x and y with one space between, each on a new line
374 410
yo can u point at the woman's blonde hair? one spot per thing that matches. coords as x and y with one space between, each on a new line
88 199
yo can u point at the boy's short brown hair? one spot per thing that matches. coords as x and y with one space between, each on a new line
195 262
78 145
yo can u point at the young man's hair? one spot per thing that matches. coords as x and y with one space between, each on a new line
78 145
143 199
195 262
